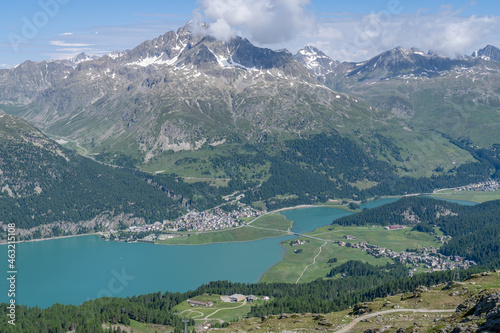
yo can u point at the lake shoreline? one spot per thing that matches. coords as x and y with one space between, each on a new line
328 205
4 242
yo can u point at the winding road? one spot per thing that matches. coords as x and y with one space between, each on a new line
353 323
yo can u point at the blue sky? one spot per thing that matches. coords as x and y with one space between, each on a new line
346 30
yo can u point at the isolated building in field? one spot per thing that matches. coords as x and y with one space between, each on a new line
237 298
251 298
193 302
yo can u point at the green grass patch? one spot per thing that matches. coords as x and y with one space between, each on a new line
293 264
364 184
219 311
273 221
298 257
148 328
202 164
243 234
396 240
474 196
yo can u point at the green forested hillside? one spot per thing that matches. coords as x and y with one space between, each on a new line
42 183
328 165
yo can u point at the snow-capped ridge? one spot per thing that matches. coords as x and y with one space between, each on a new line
117 54
316 61
488 53
81 58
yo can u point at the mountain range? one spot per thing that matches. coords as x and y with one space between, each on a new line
174 103
187 92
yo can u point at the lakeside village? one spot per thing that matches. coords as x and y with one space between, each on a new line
489 186
212 219
426 257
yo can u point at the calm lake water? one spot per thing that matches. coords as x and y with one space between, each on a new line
461 202
73 270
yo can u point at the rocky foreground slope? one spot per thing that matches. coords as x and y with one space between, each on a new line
469 306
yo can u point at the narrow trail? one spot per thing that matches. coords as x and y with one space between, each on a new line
201 314
353 323
314 262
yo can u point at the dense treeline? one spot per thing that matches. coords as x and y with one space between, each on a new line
475 233
90 316
325 165
421 209
475 230
336 157
315 169
73 190
359 268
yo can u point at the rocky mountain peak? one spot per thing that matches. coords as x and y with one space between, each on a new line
402 61
164 49
489 52
316 61
82 57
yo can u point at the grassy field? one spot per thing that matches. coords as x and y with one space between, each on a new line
199 163
474 196
218 312
273 221
148 328
294 262
242 234
396 240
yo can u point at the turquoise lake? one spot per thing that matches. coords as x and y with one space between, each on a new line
73 270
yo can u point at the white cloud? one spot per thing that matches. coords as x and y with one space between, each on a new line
263 21
348 37
65 44
66 34
446 32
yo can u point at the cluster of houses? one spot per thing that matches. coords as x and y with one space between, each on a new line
427 257
491 185
395 227
214 219
157 226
